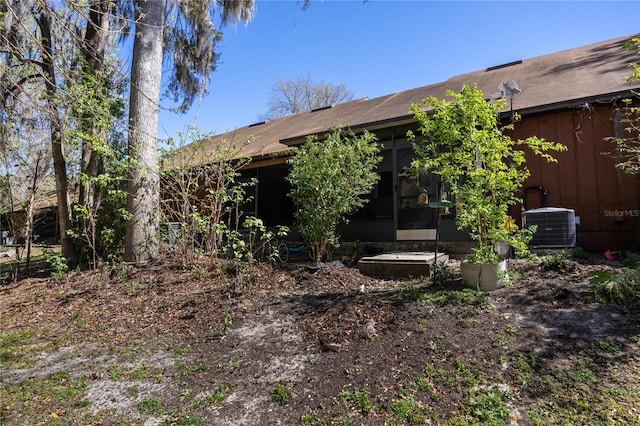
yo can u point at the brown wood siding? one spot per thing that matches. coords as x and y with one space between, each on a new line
584 179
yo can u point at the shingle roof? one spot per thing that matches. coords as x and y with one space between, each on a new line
592 73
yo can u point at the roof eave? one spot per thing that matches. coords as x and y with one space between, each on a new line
370 126
601 99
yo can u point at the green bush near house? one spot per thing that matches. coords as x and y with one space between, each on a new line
330 178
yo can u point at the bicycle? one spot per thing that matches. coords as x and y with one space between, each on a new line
284 251
267 250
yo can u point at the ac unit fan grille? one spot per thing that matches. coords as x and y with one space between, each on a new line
555 227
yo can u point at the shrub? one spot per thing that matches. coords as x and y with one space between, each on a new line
358 399
556 261
205 194
58 265
280 392
619 287
330 178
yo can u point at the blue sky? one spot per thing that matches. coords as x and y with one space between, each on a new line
384 46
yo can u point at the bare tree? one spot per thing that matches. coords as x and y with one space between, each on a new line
202 185
290 96
48 48
29 72
25 168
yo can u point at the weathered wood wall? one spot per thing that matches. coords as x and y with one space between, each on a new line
606 200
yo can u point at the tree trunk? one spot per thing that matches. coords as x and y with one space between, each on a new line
59 162
95 43
143 187
28 231
33 192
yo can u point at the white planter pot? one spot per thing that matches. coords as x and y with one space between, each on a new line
488 276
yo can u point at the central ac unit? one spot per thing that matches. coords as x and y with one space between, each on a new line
173 230
556 227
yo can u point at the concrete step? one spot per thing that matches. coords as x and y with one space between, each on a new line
400 264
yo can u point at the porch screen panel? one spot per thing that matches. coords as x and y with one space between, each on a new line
415 219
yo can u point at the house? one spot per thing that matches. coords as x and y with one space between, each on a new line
572 97
45 222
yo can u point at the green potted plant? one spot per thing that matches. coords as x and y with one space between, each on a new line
463 142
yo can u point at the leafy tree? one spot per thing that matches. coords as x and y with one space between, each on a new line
99 214
330 178
465 145
290 96
98 106
627 138
634 45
